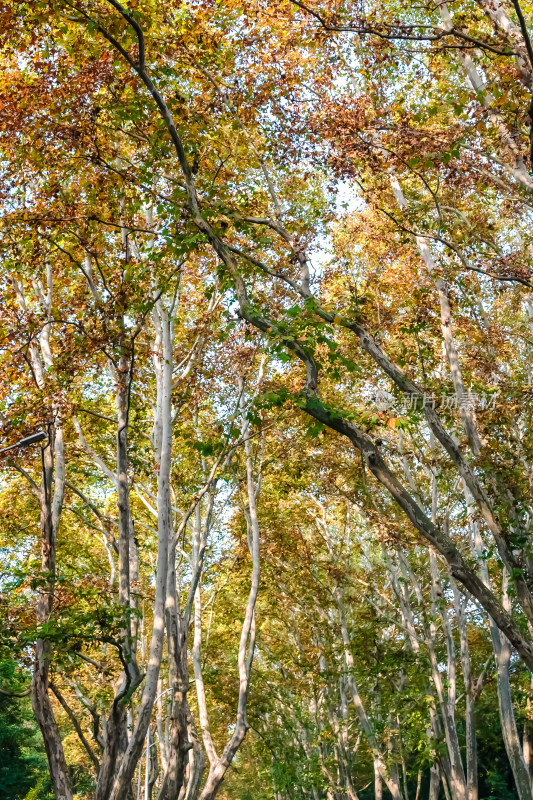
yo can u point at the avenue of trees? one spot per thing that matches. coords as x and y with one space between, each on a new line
266 389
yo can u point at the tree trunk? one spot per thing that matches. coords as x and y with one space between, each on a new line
124 772
502 655
378 783
434 782
42 707
470 700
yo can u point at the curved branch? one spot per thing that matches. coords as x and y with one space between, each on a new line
77 727
136 27
8 693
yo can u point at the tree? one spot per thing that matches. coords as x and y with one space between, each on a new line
164 226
